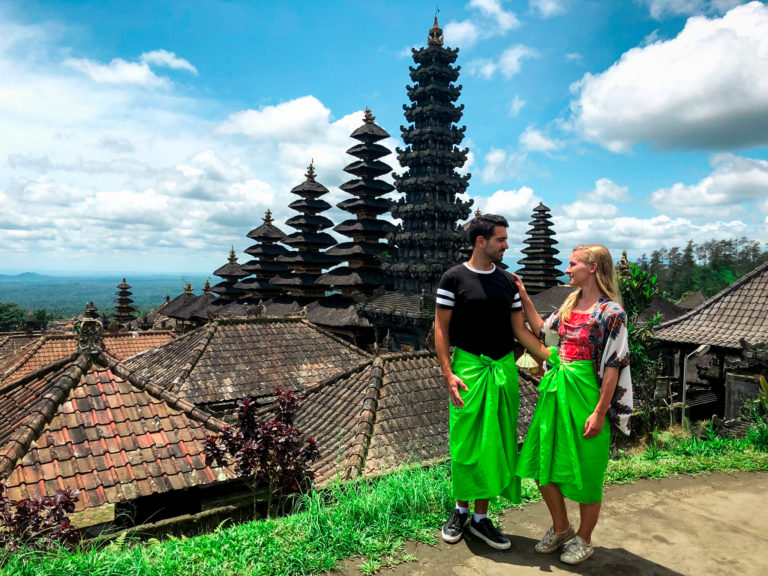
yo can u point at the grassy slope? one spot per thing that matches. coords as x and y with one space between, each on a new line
371 519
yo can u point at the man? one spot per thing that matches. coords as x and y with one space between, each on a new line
479 313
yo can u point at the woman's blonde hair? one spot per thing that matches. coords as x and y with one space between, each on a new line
605 276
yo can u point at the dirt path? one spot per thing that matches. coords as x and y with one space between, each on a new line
708 525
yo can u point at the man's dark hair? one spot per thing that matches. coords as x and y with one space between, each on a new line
483 226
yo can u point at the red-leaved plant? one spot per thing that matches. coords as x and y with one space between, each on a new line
271 454
40 522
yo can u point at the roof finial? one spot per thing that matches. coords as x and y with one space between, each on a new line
232 256
369 118
435 37
478 213
188 288
310 175
268 217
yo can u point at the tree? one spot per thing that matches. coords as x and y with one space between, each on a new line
11 317
269 454
42 318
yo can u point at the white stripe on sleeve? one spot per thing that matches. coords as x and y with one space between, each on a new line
444 302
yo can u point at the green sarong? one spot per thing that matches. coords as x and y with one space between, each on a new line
555 449
483 434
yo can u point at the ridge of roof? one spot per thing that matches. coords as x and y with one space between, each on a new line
22 355
719 296
197 352
47 405
364 432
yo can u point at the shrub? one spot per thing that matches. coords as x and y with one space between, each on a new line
270 454
40 522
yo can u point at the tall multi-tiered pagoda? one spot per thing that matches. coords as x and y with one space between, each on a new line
363 253
264 265
125 312
428 241
231 273
307 260
539 271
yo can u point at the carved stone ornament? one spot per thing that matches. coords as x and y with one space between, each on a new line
89 336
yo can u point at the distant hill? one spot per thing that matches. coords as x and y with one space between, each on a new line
67 296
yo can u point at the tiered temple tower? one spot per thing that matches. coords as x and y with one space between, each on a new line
428 241
124 311
307 261
539 271
264 266
363 253
231 273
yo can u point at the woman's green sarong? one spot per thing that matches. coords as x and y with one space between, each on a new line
555 449
483 436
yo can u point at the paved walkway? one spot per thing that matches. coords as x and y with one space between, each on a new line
708 525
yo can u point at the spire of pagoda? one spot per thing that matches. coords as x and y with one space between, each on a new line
539 271
230 274
264 266
429 240
124 311
307 260
363 253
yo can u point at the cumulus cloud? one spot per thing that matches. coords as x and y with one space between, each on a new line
489 19
533 140
500 165
704 89
736 187
549 8
508 64
660 9
515 205
118 71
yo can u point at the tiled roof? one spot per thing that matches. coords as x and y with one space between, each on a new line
738 312
12 342
125 345
388 412
228 359
51 348
115 439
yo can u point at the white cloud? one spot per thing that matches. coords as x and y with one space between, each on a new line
118 71
662 8
508 64
515 205
549 8
533 140
489 19
706 88
516 105
608 191
169 59
499 165
736 187
573 57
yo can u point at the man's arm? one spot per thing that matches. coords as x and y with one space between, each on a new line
526 338
443 348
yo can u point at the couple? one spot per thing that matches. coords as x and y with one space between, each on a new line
479 312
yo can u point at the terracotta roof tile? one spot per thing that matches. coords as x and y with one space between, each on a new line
738 312
84 447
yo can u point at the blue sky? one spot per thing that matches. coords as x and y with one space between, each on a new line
150 136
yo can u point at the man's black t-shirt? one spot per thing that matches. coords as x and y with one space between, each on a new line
482 302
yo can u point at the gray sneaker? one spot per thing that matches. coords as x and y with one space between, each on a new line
552 541
576 551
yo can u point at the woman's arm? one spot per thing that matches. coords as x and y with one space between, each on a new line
594 423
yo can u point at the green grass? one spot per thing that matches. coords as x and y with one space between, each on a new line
367 519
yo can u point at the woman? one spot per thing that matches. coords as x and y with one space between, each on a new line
566 448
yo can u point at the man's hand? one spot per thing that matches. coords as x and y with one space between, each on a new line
454 384
593 425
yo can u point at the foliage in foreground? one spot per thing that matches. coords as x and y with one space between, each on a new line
37 523
369 518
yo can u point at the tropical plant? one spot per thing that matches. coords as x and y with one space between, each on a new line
40 522
270 454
